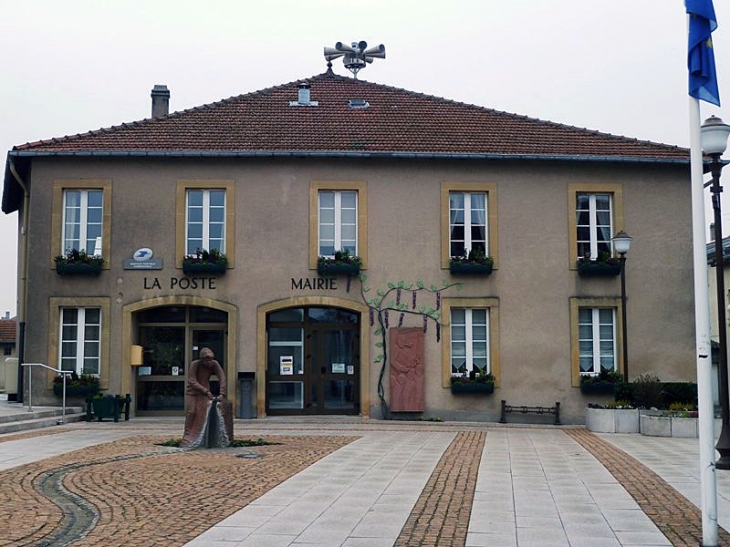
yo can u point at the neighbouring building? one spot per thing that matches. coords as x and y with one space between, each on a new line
277 178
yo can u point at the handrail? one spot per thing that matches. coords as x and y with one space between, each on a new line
63 374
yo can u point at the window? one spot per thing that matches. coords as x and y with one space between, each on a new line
80 340
597 340
595 214
470 337
595 335
594 227
467 223
338 220
82 220
7 350
205 220
468 220
469 340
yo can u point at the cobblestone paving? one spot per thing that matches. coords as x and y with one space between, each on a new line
677 518
151 500
441 514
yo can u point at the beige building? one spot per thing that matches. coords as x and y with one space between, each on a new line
276 178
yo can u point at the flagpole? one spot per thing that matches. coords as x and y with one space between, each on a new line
708 479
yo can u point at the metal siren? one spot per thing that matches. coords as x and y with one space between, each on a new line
355 56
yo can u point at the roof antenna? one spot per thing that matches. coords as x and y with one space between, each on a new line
356 56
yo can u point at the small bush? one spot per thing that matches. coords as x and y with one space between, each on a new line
647 391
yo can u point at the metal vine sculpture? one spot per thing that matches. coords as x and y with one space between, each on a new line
401 298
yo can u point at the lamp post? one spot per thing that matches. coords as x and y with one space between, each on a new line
714 141
622 244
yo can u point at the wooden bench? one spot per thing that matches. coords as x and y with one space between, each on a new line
529 410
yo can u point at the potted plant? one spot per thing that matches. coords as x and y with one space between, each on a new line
203 261
341 264
476 381
78 262
86 384
603 383
604 266
474 262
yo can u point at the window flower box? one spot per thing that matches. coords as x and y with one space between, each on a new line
205 262
342 264
75 262
600 384
481 383
77 386
472 263
604 267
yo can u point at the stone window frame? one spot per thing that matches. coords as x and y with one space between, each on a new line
56 304
488 188
617 211
181 214
59 187
576 303
492 305
362 217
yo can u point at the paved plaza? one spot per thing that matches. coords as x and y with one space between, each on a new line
351 483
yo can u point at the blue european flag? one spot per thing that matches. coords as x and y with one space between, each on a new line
701 57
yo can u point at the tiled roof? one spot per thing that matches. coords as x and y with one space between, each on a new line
8 329
396 122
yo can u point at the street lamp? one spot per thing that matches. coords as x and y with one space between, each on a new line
622 244
714 141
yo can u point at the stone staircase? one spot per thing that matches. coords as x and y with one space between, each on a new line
15 417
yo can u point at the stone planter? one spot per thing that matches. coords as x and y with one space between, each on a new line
612 420
662 425
473 387
470 268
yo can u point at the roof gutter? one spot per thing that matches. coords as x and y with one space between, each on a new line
337 154
24 213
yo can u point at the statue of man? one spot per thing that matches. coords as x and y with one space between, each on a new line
198 398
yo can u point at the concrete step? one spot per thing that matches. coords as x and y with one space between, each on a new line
20 412
47 419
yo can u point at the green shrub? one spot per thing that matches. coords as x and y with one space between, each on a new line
679 392
647 391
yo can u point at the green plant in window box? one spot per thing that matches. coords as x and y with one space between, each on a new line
78 262
476 381
86 384
603 266
342 263
604 383
204 261
474 262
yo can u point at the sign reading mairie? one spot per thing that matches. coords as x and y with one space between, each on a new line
142 260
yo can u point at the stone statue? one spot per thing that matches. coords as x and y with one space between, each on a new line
208 419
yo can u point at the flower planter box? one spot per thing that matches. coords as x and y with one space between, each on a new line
598 269
597 388
612 420
204 268
470 268
658 425
78 268
74 391
473 387
107 406
334 269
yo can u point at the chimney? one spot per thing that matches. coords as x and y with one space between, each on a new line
304 97
160 101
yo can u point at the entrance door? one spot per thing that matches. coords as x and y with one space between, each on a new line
313 362
161 379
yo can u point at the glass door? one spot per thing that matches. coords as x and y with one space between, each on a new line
338 370
161 378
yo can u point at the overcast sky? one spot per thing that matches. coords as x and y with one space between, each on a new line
618 66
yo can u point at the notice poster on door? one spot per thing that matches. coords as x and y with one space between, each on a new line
338 368
286 365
